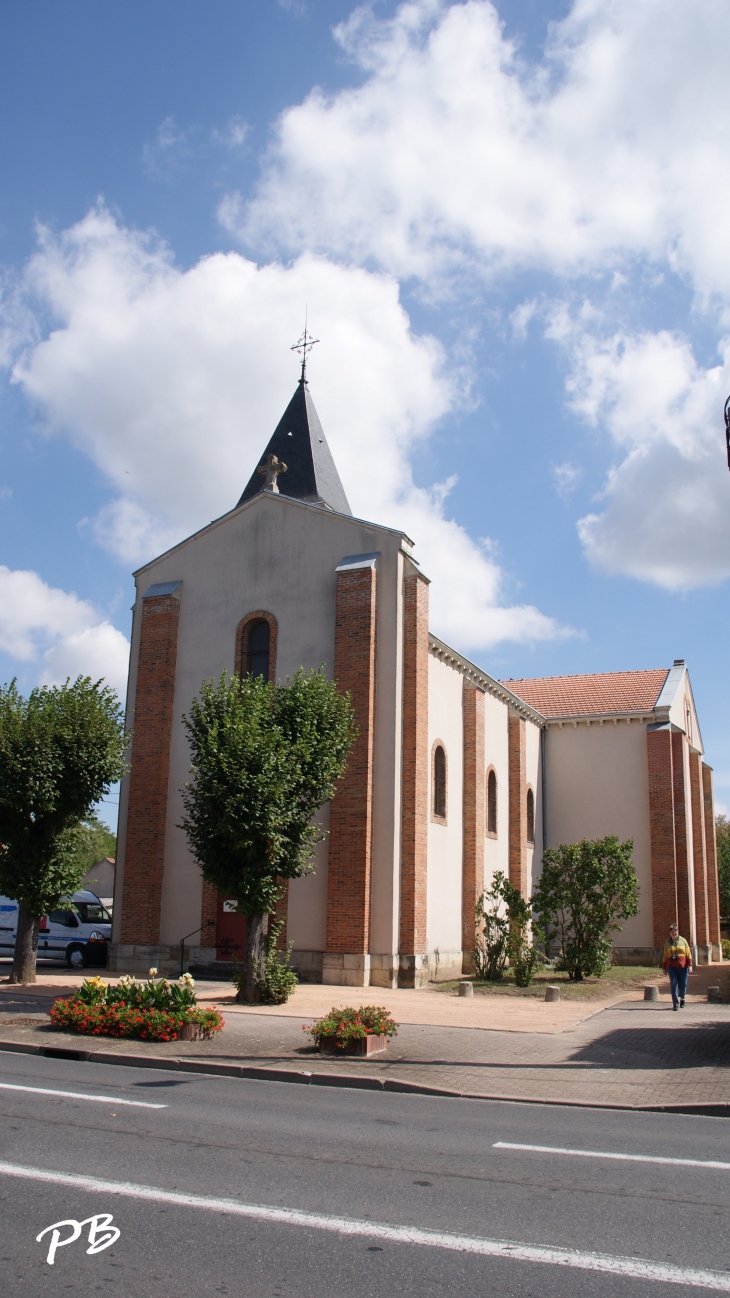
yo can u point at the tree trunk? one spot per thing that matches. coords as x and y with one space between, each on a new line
26 948
256 931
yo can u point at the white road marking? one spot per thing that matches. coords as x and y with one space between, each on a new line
628 1158
79 1095
636 1268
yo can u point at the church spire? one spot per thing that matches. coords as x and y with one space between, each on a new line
297 461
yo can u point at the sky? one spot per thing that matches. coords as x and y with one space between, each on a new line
508 223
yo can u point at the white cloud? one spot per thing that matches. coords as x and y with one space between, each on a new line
453 153
566 478
172 383
666 515
63 634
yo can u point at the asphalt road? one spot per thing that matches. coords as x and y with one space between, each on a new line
373 1174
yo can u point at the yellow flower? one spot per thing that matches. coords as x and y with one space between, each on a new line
152 972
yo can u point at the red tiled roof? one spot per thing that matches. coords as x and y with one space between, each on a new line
599 694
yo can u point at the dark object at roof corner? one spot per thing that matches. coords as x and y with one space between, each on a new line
311 474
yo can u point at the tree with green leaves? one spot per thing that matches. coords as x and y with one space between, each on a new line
94 842
584 890
722 827
265 758
61 749
502 932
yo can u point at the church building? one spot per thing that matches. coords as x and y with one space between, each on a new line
454 774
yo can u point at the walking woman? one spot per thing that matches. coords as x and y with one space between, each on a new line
677 962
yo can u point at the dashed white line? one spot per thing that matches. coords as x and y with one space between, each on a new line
80 1095
712 1164
636 1268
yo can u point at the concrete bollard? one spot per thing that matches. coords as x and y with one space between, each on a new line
466 989
651 993
714 995
552 993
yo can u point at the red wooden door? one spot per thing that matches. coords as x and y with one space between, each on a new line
230 938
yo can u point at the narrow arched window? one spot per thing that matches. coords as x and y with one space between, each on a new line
492 803
530 816
439 783
257 649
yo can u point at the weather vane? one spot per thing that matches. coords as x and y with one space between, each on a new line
304 347
727 429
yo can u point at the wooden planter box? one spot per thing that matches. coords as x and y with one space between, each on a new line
189 1032
361 1047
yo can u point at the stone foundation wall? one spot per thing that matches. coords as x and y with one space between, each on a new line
138 960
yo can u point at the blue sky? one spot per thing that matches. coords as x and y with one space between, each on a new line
508 222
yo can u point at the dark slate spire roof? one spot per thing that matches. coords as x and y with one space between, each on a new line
300 442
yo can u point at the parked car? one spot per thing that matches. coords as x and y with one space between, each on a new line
79 930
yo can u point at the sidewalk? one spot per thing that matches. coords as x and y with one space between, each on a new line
628 1054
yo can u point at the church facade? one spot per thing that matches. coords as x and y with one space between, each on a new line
454 774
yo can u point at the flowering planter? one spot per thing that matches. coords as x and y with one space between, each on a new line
189 1032
362 1047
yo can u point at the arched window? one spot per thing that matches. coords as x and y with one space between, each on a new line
257 649
439 782
256 638
492 803
530 816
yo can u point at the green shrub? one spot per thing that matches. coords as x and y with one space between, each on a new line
101 1019
584 890
350 1024
279 978
725 949
502 923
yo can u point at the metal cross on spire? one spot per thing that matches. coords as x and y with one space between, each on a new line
304 347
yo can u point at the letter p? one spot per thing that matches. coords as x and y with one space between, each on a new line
56 1241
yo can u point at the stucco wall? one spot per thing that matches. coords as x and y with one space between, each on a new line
598 784
533 774
496 850
445 722
279 555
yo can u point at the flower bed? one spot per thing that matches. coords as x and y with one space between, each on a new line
150 1011
348 1030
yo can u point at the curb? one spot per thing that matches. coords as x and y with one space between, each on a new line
246 1072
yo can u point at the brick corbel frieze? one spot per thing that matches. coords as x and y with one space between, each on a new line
681 837
699 849
351 809
713 886
517 798
474 817
661 831
415 768
144 859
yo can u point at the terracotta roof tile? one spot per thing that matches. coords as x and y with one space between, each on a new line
600 694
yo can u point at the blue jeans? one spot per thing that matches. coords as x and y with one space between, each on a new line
678 982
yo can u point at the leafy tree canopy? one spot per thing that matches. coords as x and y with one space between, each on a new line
722 825
94 841
584 890
265 758
61 749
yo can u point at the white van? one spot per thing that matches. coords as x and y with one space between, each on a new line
79 930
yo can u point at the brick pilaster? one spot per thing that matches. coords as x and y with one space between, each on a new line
144 859
661 829
699 849
415 770
473 824
208 915
713 888
516 744
681 837
351 811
